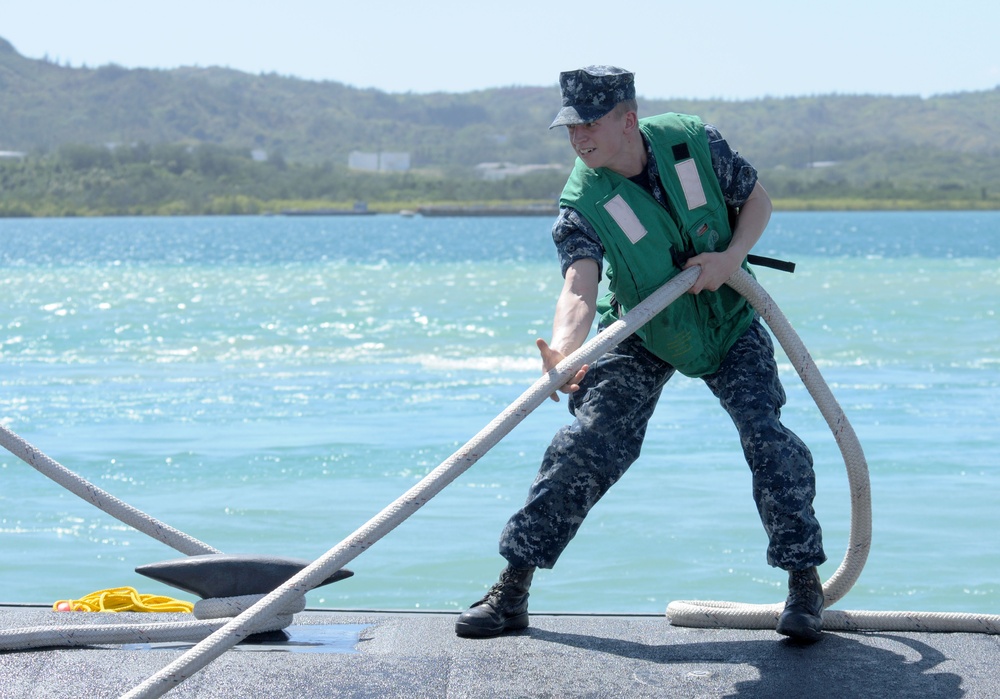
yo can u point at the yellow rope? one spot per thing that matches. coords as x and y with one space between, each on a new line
122 599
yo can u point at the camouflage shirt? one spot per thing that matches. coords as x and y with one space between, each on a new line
576 239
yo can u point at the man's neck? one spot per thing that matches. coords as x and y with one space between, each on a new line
635 157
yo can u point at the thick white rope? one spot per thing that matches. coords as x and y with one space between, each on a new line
417 496
99 498
210 616
267 613
701 613
762 616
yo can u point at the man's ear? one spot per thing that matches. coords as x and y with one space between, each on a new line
631 121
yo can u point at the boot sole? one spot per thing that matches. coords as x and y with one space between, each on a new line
799 629
467 630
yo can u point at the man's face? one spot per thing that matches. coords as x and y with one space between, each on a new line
599 143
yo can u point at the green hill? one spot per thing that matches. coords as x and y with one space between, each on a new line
46 105
111 139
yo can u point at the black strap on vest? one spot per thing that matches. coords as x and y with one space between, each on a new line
781 265
680 258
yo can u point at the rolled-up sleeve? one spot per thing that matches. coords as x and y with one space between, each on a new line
576 239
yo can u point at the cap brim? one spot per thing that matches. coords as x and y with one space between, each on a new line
577 115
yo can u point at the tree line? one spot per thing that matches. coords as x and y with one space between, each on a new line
206 179
117 141
141 179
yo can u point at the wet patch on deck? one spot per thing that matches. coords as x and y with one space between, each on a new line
307 638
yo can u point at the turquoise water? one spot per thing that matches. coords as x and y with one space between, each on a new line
269 384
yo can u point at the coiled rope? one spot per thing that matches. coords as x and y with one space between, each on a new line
122 599
697 613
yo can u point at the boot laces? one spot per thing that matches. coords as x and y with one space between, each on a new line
505 590
803 591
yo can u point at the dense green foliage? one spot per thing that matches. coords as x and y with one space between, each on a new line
116 141
80 180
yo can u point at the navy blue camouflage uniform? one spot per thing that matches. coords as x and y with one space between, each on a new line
617 397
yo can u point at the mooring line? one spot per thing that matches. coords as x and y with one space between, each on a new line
100 498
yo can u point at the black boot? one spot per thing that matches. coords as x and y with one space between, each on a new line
802 619
504 608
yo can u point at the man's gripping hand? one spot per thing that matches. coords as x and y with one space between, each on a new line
551 358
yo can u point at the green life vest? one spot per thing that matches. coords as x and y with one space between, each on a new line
695 332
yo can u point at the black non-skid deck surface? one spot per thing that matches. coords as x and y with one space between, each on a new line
387 654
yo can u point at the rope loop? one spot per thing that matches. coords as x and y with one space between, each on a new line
231 607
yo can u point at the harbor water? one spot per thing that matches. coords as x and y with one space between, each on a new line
269 384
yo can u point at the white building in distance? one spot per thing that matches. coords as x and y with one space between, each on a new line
378 162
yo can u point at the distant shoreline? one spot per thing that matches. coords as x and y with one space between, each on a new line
529 208
781 204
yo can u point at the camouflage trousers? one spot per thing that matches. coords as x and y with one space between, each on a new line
611 411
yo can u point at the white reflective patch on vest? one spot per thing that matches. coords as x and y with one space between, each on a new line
623 215
694 193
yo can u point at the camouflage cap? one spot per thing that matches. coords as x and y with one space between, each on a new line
590 93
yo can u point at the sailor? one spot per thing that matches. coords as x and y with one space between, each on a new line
647 198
